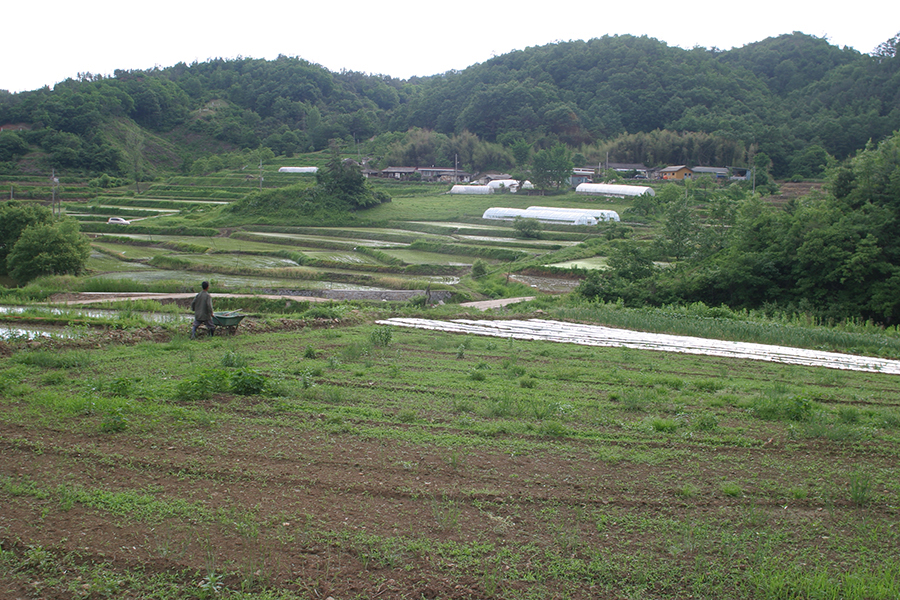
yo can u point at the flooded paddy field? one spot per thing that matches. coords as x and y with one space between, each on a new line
549 285
191 279
595 262
99 262
351 258
418 257
15 332
249 261
397 235
540 244
330 240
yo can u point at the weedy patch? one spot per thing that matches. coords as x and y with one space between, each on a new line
378 468
381 337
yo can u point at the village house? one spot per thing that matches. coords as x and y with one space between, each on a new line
678 173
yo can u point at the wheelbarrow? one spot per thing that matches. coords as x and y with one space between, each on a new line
227 321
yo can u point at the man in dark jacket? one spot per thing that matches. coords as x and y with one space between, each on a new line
203 311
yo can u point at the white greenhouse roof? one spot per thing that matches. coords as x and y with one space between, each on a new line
609 189
550 216
472 189
503 213
512 184
600 215
298 170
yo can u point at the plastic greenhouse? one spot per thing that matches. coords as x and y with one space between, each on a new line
600 215
503 213
298 170
549 216
511 184
609 189
472 189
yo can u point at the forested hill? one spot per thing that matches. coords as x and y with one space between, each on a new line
795 97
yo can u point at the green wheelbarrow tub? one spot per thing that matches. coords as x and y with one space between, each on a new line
228 321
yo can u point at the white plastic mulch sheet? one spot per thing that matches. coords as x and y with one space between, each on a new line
596 335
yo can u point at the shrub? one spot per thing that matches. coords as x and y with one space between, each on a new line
479 268
248 382
207 383
527 228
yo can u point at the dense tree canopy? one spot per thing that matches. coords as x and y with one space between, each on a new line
15 217
48 249
795 97
835 254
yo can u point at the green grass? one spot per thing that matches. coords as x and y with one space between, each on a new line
365 461
615 471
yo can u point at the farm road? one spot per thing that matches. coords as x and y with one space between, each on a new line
596 335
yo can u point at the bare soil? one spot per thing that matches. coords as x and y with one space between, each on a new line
299 484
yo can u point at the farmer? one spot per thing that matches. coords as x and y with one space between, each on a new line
203 311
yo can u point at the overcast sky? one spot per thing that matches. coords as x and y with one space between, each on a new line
43 42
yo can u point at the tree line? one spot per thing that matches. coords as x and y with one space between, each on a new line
834 254
631 98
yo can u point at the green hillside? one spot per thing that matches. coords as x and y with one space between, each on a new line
795 98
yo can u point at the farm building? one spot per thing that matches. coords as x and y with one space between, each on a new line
600 215
581 175
639 169
298 170
615 190
511 184
677 172
471 189
717 172
555 215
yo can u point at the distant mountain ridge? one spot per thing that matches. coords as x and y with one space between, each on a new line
782 96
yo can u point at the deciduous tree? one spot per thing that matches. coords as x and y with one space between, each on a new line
48 249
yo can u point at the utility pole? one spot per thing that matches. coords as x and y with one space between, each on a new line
260 174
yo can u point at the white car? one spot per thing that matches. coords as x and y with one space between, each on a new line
118 221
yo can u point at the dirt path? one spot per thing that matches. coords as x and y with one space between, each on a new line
595 335
488 304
